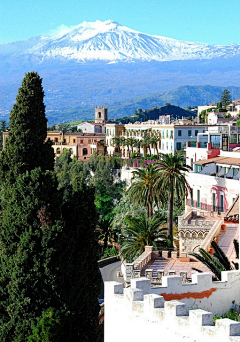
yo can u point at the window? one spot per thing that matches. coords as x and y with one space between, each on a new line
81 141
189 133
162 146
233 139
99 114
214 201
198 198
221 203
191 194
71 150
179 145
179 133
58 150
89 141
162 134
167 145
74 140
171 146
85 151
55 139
196 132
192 163
167 134
64 141
171 134
107 131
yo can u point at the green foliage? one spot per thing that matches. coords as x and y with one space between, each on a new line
226 98
25 146
142 190
3 128
219 261
140 232
48 247
109 252
108 190
231 314
202 116
49 327
125 207
171 181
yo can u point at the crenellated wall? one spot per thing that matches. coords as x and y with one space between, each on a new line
139 313
202 293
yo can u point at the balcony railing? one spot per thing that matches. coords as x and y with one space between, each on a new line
205 206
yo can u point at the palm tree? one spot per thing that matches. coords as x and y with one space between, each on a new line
131 143
147 140
171 181
143 144
154 141
219 261
123 143
142 188
116 141
140 232
138 144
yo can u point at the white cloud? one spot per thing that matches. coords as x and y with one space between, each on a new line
61 30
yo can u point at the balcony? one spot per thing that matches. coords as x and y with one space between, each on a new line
204 206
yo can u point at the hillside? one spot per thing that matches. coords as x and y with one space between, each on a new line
153 114
107 64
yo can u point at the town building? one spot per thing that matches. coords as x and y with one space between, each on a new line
81 145
165 137
90 127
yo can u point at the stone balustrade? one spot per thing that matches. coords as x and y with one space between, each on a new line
143 258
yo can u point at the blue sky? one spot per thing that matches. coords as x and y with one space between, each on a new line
208 21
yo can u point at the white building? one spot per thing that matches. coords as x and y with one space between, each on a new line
171 137
90 127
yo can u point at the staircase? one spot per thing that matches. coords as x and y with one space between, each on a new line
226 238
155 264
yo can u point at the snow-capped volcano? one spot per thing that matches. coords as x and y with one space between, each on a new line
112 42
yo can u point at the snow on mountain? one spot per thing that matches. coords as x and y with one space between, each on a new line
112 42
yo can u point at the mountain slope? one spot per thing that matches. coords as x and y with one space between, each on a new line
112 42
106 64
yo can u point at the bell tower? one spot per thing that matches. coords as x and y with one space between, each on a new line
101 115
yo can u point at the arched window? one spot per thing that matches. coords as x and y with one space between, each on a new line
85 151
58 150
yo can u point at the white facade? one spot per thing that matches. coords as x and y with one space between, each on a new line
171 137
214 178
88 127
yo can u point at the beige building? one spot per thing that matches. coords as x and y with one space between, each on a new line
79 144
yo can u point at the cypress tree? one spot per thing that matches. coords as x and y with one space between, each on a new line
25 145
47 245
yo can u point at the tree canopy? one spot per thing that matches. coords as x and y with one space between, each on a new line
48 263
226 98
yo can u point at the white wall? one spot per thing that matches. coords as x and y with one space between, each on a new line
207 184
140 313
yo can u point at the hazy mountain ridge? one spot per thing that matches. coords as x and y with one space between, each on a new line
135 76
